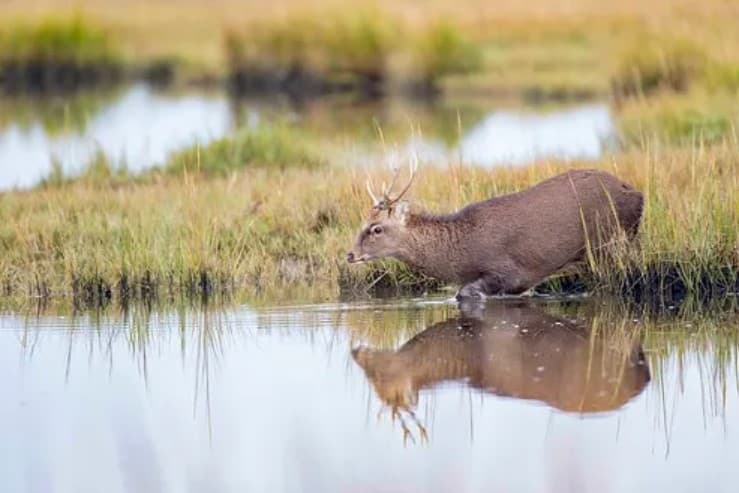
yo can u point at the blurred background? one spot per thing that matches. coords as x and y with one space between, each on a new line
127 85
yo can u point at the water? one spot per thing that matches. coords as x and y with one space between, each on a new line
335 398
141 126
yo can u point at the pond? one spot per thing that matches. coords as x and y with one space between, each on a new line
403 395
140 126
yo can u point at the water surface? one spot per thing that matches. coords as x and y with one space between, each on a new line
399 396
140 127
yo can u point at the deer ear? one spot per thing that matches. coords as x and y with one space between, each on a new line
402 211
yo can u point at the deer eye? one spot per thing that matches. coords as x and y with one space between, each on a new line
376 230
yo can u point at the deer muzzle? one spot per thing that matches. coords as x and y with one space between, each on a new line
352 258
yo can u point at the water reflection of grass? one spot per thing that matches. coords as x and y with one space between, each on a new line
686 340
56 114
343 122
139 333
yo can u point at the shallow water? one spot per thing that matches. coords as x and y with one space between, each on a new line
401 396
141 126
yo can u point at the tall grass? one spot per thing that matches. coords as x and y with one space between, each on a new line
57 52
443 49
312 52
268 231
266 145
681 120
537 45
653 63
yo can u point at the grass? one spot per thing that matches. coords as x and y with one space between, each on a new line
652 63
266 145
534 48
443 50
57 114
57 53
272 230
680 120
306 52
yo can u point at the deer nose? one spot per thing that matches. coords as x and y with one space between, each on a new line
350 257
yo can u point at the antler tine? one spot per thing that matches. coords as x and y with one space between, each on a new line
375 200
388 191
412 168
421 429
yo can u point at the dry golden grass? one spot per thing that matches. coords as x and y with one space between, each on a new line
550 43
271 233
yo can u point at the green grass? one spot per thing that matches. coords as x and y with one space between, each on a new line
304 52
361 44
680 120
535 47
57 52
265 146
442 50
343 50
273 230
72 40
276 146
652 63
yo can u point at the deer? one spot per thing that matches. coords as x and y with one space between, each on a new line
515 349
507 244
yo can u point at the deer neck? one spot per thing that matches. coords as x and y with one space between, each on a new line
432 246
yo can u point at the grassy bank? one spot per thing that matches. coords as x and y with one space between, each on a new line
306 53
57 54
271 231
534 48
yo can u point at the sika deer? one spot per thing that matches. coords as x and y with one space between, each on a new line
506 244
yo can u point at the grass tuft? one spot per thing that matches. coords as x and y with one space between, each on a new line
57 53
443 49
275 146
342 51
658 63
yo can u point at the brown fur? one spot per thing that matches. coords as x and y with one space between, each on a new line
507 244
513 350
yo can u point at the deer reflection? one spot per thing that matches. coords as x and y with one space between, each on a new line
513 350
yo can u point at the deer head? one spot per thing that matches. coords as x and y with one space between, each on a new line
385 228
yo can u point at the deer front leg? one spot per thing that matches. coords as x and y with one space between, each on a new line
471 297
481 288
472 291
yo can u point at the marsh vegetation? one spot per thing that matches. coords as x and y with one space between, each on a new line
180 182
270 207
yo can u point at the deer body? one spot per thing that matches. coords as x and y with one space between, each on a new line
506 244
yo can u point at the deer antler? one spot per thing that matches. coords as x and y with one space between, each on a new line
375 200
397 412
387 201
